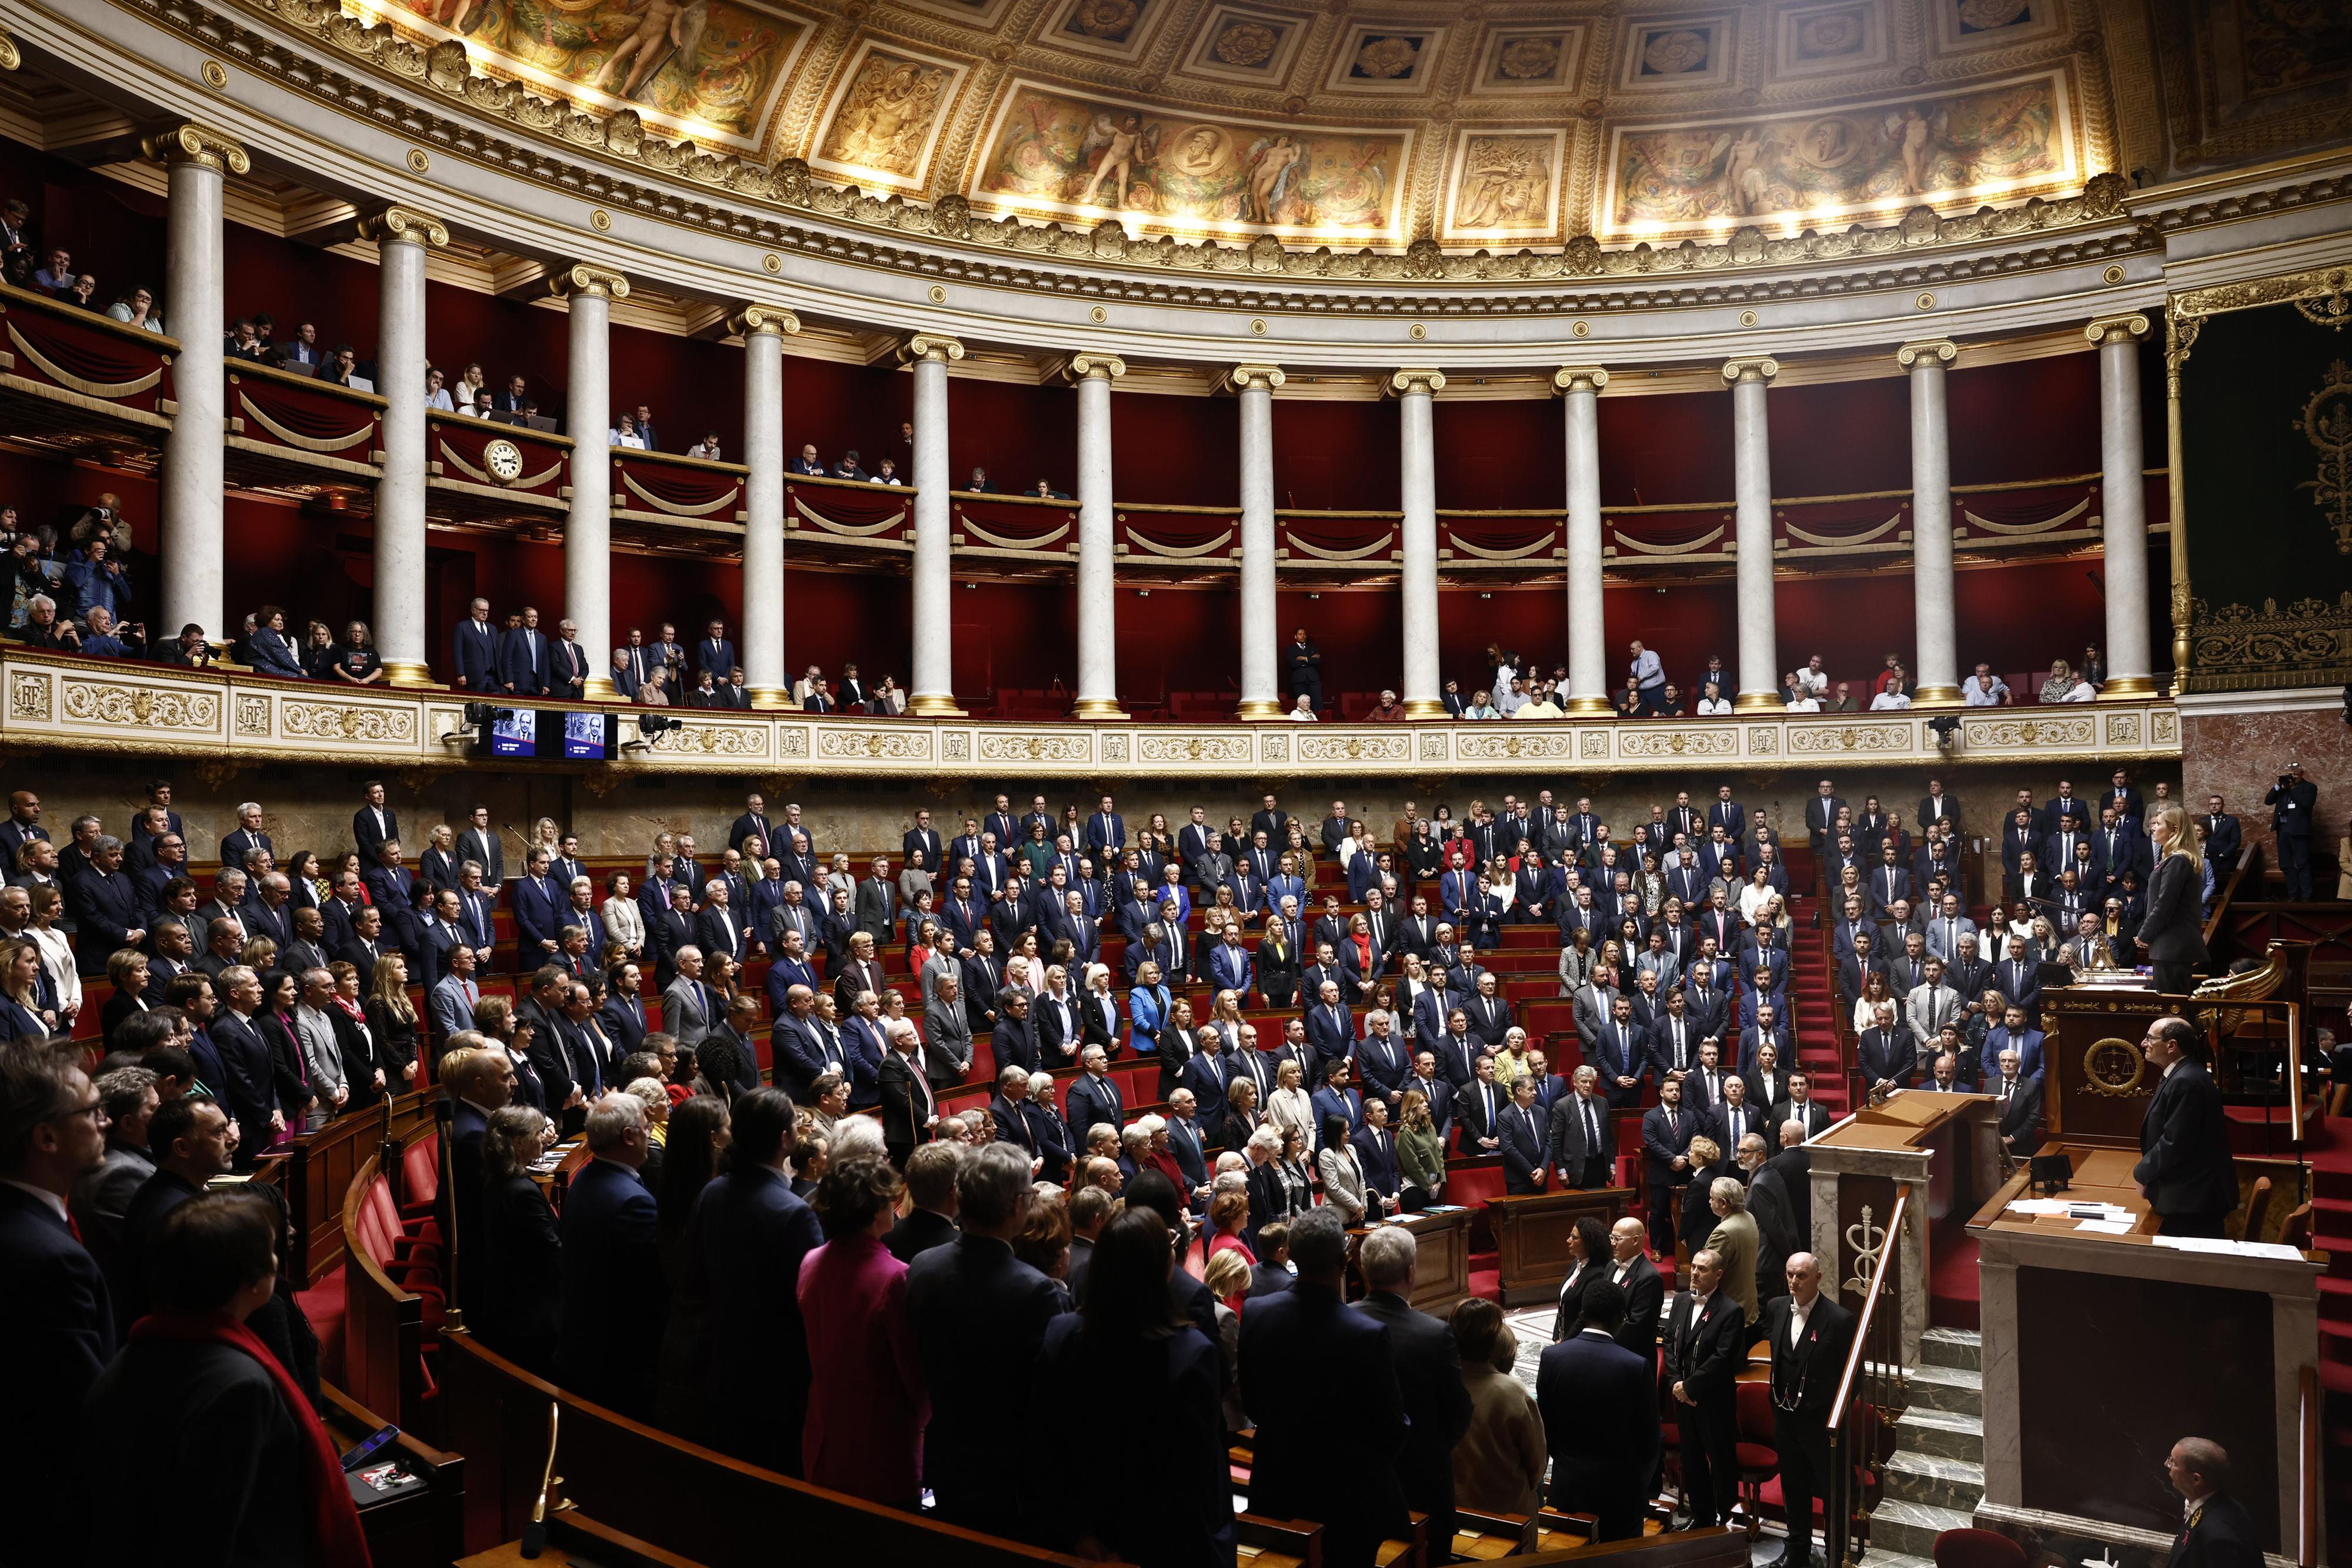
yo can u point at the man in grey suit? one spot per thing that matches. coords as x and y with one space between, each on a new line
450 1007
877 901
686 1005
947 1035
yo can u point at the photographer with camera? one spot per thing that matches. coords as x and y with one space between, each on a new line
2291 800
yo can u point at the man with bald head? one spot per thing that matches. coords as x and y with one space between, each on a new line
2217 1531
1810 1335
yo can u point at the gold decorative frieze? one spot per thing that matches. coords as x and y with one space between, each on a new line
347 722
141 707
2242 648
1816 740
2324 295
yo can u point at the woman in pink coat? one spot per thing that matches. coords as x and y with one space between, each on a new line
866 1402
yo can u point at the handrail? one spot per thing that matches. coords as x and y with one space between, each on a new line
240 366
14 298
1875 1359
2250 855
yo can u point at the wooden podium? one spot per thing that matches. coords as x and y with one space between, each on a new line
1441 1265
2096 1083
1531 1236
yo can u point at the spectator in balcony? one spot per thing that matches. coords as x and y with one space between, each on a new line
242 342
475 645
889 698
342 366
704 692
188 650
807 682
272 654
806 463
356 661
1482 705
567 663
887 472
1985 689
1813 678
654 693
643 420
1303 711
81 291
715 655
980 485
1842 701
1541 708
60 273
848 466
319 651
1628 704
2094 668
626 434
514 400
818 700
303 349
1044 490
136 309
44 628
1891 693
707 449
1712 702
2061 684
472 398
95 580
436 394
522 656
263 326
1388 711
16 226
103 643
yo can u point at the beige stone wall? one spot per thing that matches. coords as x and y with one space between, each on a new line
311 808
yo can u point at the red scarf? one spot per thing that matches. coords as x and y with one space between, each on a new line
335 1533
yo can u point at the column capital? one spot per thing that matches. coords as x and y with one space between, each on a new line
1093 365
2134 325
587 277
1929 352
397 225
1251 378
1404 384
936 346
1752 370
193 141
756 319
1579 377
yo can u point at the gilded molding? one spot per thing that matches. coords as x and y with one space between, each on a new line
1405 384
1094 364
1251 378
10 57
1579 377
396 224
1761 369
587 277
2133 324
2326 284
2242 648
936 346
1934 350
194 142
755 318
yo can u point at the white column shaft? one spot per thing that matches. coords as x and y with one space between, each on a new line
934 657
588 532
400 585
1098 584
192 477
1588 649
1759 675
1933 612
1261 636
1417 409
2123 505
763 508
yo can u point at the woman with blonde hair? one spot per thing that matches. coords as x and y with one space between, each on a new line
20 991
57 953
2170 934
624 923
392 1017
2061 681
1289 1107
1421 1153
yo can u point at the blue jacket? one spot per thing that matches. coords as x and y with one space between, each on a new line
58 1318
753 1234
516 651
614 1293
475 644
538 909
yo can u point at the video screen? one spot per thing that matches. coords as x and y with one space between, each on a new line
516 735
587 736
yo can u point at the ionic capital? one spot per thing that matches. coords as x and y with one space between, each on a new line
1756 369
192 142
756 320
936 346
587 277
399 224
1932 351
1578 379
2134 325
1405 384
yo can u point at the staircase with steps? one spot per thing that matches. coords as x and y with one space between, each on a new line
1935 1479
2329 1151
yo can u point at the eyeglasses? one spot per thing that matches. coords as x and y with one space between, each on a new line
95 1111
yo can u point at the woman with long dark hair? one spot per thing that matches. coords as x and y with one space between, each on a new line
1588 1247
516 1308
698 1132
1173 1505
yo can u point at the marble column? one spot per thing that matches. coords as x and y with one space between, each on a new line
403 235
762 329
1936 683
2123 504
1588 648
588 416
1760 670
197 160
1415 393
1260 632
931 684
1098 695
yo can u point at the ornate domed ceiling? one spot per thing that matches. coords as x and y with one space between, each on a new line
1478 123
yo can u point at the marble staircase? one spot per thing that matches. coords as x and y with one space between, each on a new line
1935 1479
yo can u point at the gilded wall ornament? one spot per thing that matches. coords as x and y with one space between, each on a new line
2326 424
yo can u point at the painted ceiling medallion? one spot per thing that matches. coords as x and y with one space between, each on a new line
1246 44
1671 54
1530 59
1386 58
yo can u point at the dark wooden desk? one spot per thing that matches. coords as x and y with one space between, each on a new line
1531 1236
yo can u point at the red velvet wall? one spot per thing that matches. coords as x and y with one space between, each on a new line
1022 434
1675 447
292 283
1179 640
1839 437
840 407
2035 419
111 230
1494 456
1183 451
1336 457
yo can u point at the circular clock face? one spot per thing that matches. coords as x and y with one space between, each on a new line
504 460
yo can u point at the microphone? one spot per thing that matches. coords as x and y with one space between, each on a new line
535 1534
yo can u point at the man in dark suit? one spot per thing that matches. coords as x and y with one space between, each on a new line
974 1290
249 1095
1631 1271
476 644
1811 1334
613 1292
56 1313
753 1235
1888 1053
1321 1384
1667 1129
567 665
1526 1134
105 903
2020 1105
2292 801
2217 1531
929 1220
1706 1344
1599 1401
1583 1134
1093 1097
2184 1170
1820 813
522 657
714 652
1428 1374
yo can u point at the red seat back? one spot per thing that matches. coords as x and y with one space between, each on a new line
420 1169
1978 1549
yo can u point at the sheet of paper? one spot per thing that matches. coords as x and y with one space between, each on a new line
2107 1227
2032 1205
2231 1249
